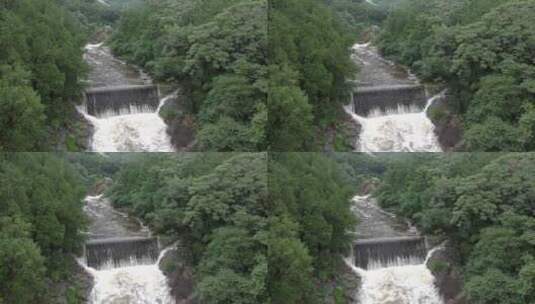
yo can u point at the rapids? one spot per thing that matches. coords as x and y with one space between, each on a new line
136 132
407 129
402 281
132 284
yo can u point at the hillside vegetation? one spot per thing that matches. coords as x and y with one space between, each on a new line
483 51
217 51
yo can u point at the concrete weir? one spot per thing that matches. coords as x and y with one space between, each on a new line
388 252
388 98
121 252
121 100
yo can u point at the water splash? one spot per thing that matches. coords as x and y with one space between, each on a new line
406 129
137 132
141 132
398 284
412 284
104 2
397 131
403 280
133 284
142 284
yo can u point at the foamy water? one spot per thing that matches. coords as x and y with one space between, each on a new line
403 280
135 282
398 131
410 284
399 284
141 284
137 130
405 129
141 132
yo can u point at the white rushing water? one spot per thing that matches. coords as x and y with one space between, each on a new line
142 284
402 280
103 2
136 132
139 132
406 129
135 281
399 131
400 284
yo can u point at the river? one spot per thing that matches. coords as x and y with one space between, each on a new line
135 131
401 280
403 129
131 280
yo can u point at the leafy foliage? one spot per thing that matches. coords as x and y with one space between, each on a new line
483 51
215 203
40 222
40 68
309 65
483 203
217 51
311 218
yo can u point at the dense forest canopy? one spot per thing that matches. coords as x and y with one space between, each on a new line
308 67
309 199
216 205
217 51
482 203
221 70
41 220
483 51
40 70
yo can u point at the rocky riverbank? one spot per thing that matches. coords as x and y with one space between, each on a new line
75 288
344 287
181 125
448 126
448 279
343 136
176 266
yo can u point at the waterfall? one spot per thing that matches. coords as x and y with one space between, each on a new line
389 99
392 265
401 127
387 252
123 258
140 284
123 106
142 132
399 284
122 100
121 252
412 284
404 131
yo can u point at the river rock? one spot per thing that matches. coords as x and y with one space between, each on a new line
100 186
181 125
448 127
347 281
176 266
348 130
369 186
351 283
444 264
77 286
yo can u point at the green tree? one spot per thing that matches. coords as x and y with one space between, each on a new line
22 119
